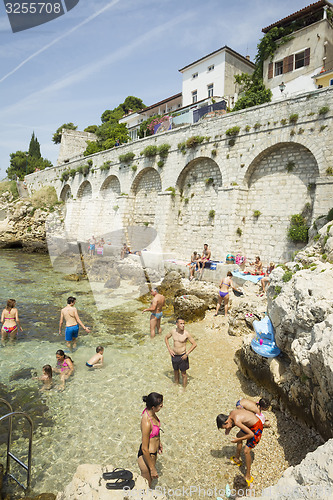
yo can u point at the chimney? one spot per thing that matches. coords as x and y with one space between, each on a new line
247 57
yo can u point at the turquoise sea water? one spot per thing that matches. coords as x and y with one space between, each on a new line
97 418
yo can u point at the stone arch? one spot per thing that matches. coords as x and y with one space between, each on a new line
145 188
66 193
281 181
110 187
85 190
198 185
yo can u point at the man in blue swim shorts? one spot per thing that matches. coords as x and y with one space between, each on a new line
156 312
71 317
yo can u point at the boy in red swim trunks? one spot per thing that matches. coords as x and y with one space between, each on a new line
251 428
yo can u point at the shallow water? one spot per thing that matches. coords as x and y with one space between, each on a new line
97 418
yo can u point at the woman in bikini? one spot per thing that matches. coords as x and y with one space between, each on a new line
64 366
10 321
225 285
150 429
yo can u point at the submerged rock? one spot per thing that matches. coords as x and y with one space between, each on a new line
189 307
23 373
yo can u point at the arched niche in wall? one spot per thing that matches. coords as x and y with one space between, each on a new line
145 189
66 193
110 188
198 185
85 190
281 182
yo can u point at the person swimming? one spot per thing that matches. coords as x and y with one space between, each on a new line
65 367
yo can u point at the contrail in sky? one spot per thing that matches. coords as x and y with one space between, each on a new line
90 18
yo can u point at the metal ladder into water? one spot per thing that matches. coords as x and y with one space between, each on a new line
9 416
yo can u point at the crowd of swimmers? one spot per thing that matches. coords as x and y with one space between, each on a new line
247 416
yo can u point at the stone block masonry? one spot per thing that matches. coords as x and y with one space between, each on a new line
235 192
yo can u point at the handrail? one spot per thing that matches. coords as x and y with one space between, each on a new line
7 404
10 454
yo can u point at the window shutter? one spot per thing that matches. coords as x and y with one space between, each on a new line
306 57
290 63
270 70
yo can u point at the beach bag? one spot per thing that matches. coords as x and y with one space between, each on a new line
99 251
240 259
230 259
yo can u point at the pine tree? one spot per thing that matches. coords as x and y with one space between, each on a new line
34 147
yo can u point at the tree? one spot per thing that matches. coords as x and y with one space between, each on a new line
22 163
91 128
110 128
253 90
57 135
34 147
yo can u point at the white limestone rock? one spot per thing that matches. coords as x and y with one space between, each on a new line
311 479
88 484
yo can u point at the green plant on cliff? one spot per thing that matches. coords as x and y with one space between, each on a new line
106 166
256 213
290 166
45 197
298 229
211 214
287 276
10 186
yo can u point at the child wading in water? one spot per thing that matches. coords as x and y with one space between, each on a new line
46 378
97 360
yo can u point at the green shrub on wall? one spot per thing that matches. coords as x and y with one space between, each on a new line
163 150
194 141
149 151
127 157
232 131
298 230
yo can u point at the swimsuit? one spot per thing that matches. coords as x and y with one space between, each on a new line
64 366
71 332
257 429
9 329
90 366
155 432
157 315
224 294
180 364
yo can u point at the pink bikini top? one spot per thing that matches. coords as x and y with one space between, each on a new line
156 428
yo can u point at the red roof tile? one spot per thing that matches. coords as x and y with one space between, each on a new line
309 9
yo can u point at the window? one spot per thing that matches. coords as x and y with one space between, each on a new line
210 89
278 68
194 96
300 60
195 75
210 68
331 81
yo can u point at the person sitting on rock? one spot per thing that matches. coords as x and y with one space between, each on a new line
205 257
266 278
125 251
193 264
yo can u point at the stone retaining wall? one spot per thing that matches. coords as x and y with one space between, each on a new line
274 167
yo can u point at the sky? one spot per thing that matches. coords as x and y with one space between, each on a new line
73 68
